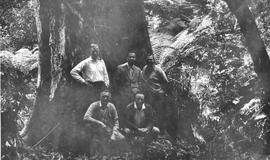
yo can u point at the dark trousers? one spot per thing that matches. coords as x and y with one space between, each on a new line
166 113
98 87
147 137
102 142
159 103
121 99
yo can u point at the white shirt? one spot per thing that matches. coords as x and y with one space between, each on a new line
91 70
139 115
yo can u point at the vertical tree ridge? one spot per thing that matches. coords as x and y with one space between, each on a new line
254 42
58 45
257 51
41 120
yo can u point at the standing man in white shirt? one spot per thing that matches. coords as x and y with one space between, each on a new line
92 71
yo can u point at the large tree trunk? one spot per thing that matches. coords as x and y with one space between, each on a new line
256 49
67 29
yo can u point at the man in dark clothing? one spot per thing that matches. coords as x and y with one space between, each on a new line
127 80
139 118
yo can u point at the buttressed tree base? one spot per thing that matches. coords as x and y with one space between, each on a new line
66 28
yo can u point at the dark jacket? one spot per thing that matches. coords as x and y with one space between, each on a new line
124 79
130 117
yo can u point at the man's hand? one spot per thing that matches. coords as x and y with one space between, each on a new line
116 136
127 130
87 83
102 125
144 130
113 137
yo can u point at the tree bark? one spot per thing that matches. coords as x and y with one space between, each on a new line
256 49
67 29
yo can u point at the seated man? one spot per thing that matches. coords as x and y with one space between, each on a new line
140 119
104 121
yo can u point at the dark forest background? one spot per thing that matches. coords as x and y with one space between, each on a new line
213 51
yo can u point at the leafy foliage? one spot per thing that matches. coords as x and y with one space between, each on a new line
17 24
17 93
222 78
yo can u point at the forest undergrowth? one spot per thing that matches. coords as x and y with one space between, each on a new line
212 79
